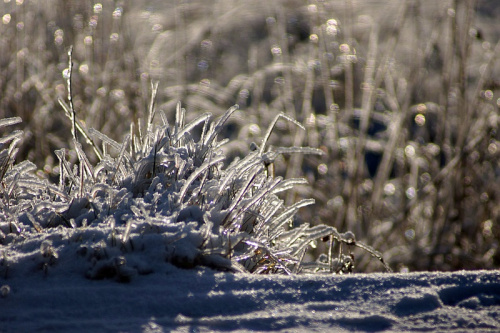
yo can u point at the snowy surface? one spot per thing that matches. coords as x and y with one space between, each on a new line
198 300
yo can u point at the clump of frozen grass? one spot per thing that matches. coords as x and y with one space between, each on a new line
166 196
168 193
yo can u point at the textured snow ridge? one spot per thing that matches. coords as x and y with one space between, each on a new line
203 300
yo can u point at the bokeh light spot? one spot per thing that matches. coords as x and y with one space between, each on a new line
411 192
389 189
118 12
420 119
6 19
88 40
322 169
410 151
345 48
98 8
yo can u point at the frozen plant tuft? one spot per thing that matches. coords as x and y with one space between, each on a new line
165 197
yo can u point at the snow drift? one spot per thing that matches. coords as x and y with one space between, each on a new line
202 300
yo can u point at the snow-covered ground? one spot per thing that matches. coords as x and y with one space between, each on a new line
201 300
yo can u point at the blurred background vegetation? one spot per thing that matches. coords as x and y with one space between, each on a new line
402 96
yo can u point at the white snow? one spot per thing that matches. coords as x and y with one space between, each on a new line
60 299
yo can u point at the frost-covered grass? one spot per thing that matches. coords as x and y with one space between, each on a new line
400 96
164 195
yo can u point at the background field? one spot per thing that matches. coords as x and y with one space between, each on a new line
402 96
